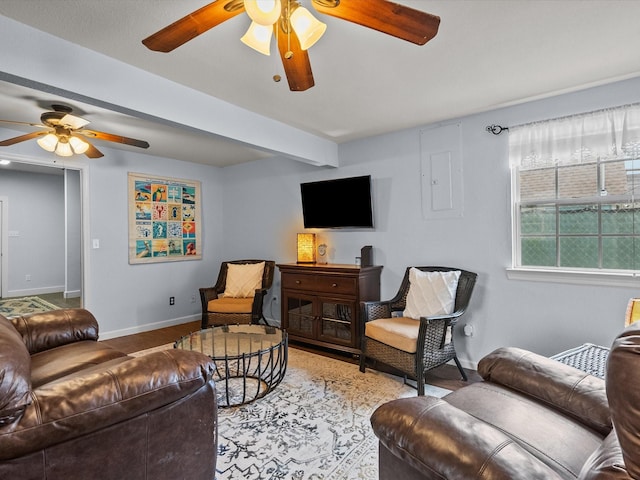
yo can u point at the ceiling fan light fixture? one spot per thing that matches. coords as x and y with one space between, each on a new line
263 12
258 37
307 27
48 142
78 145
64 149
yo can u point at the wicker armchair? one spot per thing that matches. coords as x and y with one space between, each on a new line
234 311
433 347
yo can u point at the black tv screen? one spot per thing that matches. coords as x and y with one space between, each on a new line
339 203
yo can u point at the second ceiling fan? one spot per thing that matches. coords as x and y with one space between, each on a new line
280 17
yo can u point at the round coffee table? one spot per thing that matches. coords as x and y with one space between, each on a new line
251 360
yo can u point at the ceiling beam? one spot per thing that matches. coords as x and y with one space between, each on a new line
39 60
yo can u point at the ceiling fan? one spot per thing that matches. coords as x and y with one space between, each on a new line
64 134
281 17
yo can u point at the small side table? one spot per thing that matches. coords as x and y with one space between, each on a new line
251 360
588 357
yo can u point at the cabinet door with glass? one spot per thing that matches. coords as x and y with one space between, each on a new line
300 314
336 321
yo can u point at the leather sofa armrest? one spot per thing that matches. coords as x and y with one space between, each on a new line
44 331
567 389
443 441
104 395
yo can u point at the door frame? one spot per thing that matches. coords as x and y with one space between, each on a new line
4 245
75 163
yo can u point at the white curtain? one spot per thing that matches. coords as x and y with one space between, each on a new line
605 135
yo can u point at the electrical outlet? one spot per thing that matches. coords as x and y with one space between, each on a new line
193 299
172 300
274 299
27 278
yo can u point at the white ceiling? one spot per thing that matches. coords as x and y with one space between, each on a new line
487 54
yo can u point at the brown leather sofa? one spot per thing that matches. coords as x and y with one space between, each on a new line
531 418
74 408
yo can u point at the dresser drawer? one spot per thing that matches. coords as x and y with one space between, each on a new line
320 284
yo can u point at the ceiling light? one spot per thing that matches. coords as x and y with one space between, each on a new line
48 142
263 12
78 145
308 28
64 149
5 162
258 37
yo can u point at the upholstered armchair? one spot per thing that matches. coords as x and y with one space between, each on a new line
73 408
413 332
238 294
531 418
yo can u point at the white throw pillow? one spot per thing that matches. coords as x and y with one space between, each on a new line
243 279
431 293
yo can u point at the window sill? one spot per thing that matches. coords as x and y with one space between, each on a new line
614 279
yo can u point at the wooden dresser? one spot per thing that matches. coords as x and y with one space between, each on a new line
321 302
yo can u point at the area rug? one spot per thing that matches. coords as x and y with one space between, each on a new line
314 425
13 307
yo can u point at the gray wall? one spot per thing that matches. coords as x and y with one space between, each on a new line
73 234
253 210
546 317
36 214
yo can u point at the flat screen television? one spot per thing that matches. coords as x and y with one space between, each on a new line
337 203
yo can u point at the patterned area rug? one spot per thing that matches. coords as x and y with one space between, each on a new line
14 307
313 426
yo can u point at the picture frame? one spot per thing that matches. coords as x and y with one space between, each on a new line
164 219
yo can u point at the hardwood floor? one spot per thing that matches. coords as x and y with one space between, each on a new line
446 376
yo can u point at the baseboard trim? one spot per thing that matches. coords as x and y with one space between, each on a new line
34 291
72 294
148 327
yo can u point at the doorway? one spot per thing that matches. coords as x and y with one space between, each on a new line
41 223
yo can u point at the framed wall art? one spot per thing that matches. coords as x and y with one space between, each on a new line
164 219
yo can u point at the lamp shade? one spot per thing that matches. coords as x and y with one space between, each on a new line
633 312
308 28
48 142
258 37
63 149
306 248
78 145
263 12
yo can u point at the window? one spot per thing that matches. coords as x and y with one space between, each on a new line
576 192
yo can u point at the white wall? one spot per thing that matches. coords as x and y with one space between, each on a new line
262 215
36 216
253 210
130 298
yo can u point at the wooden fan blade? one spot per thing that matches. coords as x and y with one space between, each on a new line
24 123
192 25
384 16
93 152
22 138
109 137
295 61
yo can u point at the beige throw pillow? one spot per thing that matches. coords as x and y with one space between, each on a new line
431 293
243 279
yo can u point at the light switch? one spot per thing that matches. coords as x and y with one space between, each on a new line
96 243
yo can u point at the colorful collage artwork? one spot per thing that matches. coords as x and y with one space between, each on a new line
164 219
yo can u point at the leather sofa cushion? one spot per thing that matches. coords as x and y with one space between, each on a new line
230 305
606 463
546 433
622 379
42 331
560 386
15 371
59 362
